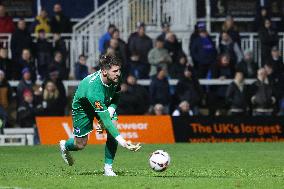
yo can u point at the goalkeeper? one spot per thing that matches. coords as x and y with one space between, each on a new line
97 96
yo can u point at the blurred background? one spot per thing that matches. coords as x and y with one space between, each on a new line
186 59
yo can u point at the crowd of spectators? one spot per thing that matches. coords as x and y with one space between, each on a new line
158 60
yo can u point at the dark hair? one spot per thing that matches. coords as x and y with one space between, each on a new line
108 60
82 55
111 26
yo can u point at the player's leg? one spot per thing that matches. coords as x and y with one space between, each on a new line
81 130
110 151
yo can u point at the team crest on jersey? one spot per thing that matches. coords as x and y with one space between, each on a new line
98 105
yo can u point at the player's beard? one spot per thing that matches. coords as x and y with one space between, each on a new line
111 80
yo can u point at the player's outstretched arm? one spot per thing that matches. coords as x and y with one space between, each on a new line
109 126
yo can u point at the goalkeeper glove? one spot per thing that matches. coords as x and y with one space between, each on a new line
127 144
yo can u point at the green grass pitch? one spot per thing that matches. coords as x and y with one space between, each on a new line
246 165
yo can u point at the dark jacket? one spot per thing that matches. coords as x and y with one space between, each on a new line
203 51
268 39
248 68
26 114
23 85
62 25
159 91
21 39
28 64
237 98
141 45
81 71
189 90
43 51
263 94
8 67
174 49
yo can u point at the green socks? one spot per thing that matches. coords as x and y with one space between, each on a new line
110 149
70 145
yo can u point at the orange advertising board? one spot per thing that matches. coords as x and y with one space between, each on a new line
144 129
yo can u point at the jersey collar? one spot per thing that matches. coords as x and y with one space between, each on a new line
102 80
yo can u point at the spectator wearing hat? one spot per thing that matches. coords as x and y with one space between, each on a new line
21 39
203 52
158 57
268 39
159 89
81 69
43 51
28 110
141 44
237 96
188 89
59 22
165 30
25 83
183 110
27 61
6 64
105 38
6 22
230 27
248 66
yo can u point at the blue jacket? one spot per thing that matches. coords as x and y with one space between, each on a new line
105 38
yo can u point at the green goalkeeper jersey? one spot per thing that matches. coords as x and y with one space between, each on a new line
92 99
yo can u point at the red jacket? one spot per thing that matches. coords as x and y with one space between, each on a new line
6 25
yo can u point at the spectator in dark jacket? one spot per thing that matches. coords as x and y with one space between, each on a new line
188 89
276 61
59 45
81 69
140 43
6 65
55 78
28 110
165 30
228 46
160 89
237 96
6 22
51 100
261 16
105 38
137 68
59 65
217 96
263 99
43 51
133 99
203 52
230 27
25 83
247 66
177 71
121 45
27 62
21 39
59 22
268 38
174 47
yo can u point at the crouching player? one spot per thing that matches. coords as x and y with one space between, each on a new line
97 96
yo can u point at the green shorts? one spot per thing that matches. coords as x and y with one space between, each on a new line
83 126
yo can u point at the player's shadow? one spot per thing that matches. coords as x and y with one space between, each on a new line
91 173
